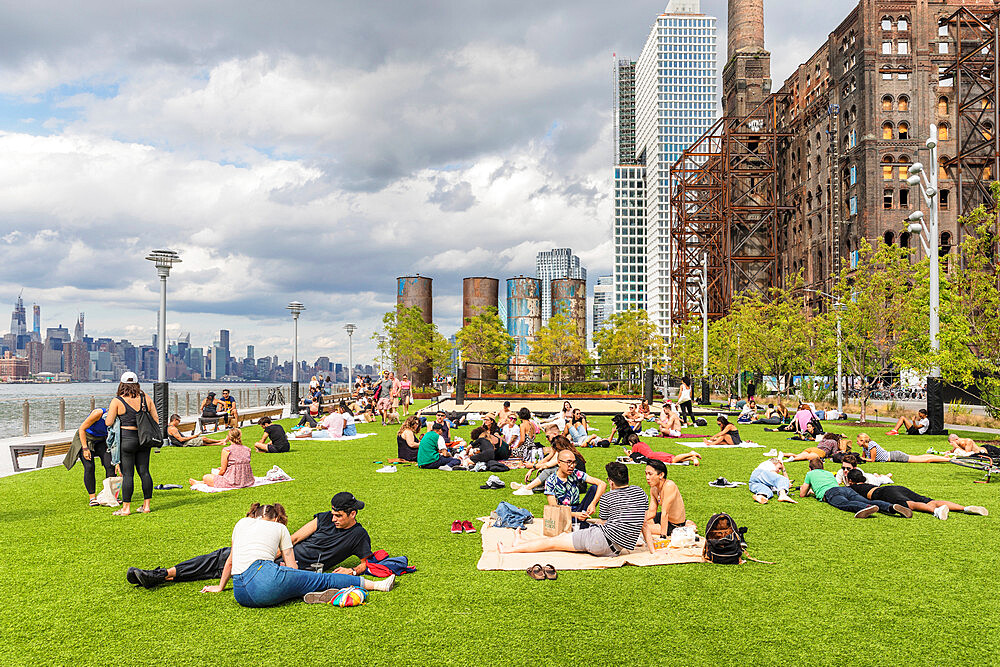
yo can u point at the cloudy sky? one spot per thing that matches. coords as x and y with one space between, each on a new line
310 151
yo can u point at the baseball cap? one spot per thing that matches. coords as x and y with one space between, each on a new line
346 502
129 378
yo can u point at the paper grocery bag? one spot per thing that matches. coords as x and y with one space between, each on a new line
556 519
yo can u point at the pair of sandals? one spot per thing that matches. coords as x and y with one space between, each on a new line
542 572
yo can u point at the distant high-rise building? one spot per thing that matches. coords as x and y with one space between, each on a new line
250 352
604 302
78 333
553 265
18 321
673 88
36 330
220 356
59 333
224 339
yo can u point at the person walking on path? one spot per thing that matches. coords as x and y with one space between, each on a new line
125 408
684 400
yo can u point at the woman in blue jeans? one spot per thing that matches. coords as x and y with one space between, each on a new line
258 581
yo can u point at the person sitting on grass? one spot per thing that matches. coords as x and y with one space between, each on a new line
431 448
852 461
334 423
622 516
548 465
579 430
768 479
258 581
968 447
919 426
748 414
511 432
408 439
329 539
234 469
633 417
800 422
727 435
771 416
503 417
528 429
637 448
827 448
644 411
560 419
823 485
666 506
873 453
669 423
441 418
904 496
274 440
563 487
177 439
308 417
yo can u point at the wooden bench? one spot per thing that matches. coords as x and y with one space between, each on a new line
55 448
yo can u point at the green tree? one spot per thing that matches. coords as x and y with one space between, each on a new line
629 337
411 342
557 344
877 312
484 338
685 348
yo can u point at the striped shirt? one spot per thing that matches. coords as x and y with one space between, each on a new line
624 511
881 456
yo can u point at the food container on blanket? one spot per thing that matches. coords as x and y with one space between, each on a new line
661 542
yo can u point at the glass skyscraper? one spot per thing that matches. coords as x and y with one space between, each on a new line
675 101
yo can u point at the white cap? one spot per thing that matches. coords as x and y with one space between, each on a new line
130 378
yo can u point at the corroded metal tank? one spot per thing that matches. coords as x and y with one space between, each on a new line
478 294
417 291
569 298
524 319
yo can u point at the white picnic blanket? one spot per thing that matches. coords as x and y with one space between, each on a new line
321 434
699 443
257 481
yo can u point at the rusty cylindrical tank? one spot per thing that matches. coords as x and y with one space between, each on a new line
524 319
417 291
569 298
478 294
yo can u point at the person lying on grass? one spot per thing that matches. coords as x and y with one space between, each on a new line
873 453
727 435
638 448
917 426
669 423
666 506
823 485
850 462
432 453
831 445
258 580
768 479
968 447
622 515
904 496
234 467
549 465
329 538
771 416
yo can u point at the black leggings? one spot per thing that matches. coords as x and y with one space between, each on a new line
98 452
307 419
686 412
135 458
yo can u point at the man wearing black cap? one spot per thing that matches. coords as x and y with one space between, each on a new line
330 538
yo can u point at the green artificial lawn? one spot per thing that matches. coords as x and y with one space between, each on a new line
846 591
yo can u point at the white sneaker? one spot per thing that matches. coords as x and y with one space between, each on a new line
771 453
387 469
445 468
941 512
516 485
524 491
976 509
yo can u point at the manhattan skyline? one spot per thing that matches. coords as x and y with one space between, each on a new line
309 154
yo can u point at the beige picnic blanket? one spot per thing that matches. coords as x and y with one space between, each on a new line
562 560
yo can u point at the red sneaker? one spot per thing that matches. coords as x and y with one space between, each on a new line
468 527
456 526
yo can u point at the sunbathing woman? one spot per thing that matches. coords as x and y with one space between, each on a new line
642 449
904 496
872 453
579 430
831 444
727 435
234 469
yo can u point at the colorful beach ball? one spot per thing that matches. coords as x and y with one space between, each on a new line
351 596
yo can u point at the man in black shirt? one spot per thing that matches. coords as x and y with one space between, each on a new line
276 434
330 538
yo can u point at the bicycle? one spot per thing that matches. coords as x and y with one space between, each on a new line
274 396
979 462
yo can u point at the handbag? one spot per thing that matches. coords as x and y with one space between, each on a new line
149 428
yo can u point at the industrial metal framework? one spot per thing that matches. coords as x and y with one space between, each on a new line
725 205
975 73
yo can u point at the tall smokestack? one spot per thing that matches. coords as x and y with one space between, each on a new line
746 27
746 78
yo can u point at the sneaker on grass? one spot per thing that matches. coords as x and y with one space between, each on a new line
448 468
866 512
976 509
524 491
456 526
941 512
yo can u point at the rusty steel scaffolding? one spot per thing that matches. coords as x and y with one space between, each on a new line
725 208
975 73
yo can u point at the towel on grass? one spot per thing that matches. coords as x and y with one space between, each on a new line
562 560
257 481
325 435
699 443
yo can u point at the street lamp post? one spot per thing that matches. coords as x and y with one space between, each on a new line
350 329
704 331
929 180
164 260
296 308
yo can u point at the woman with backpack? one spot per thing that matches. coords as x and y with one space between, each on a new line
125 407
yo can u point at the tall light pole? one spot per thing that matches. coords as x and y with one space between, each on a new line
295 307
164 260
837 306
929 180
350 329
704 330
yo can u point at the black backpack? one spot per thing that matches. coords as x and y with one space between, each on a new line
724 541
